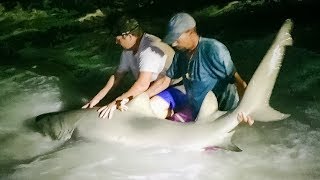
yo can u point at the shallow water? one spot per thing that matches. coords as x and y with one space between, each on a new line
279 150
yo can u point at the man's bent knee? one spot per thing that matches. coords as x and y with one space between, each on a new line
160 107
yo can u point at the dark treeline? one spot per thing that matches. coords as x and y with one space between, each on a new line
124 5
162 6
243 21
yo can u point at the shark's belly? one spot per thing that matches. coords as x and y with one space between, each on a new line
147 131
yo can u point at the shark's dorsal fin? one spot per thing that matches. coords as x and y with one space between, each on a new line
209 106
140 104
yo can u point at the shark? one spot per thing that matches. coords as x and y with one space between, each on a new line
138 126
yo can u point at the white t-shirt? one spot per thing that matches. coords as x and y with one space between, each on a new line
148 58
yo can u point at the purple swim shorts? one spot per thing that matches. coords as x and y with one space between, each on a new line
178 102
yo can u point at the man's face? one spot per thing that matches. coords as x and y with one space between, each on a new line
125 40
184 42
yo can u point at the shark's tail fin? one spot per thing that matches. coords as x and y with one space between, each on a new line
255 101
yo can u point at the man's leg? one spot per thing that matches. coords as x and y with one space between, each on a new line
160 107
172 99
183 114
166 101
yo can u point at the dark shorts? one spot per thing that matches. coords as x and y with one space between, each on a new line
178 102
174 97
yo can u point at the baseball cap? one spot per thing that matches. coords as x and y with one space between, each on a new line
178 24
125 25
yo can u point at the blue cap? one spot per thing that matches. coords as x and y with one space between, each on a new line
178 24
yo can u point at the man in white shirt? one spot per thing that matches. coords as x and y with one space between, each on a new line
144 55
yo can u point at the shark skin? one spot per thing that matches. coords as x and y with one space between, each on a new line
139 127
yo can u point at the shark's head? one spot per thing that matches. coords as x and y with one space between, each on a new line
55 126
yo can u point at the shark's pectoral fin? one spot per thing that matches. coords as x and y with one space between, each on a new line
233 147
141 104
228 145
267 113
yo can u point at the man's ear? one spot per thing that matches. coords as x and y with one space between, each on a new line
192 32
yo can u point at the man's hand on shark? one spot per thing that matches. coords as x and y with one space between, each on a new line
245 118
91 103
107 111
122 104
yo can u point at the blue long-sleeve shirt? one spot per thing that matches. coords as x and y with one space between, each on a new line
210 68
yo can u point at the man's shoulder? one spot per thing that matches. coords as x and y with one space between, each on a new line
210 42
153 43
148 40
212 46
126 53
151 37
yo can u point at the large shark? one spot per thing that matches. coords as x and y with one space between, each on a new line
138 125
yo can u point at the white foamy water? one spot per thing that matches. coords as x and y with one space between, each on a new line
288 149
25 94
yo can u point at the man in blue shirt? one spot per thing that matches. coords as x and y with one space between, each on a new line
204 64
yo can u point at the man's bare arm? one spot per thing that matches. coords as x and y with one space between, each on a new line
112 83
240 84
158 86
141 85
